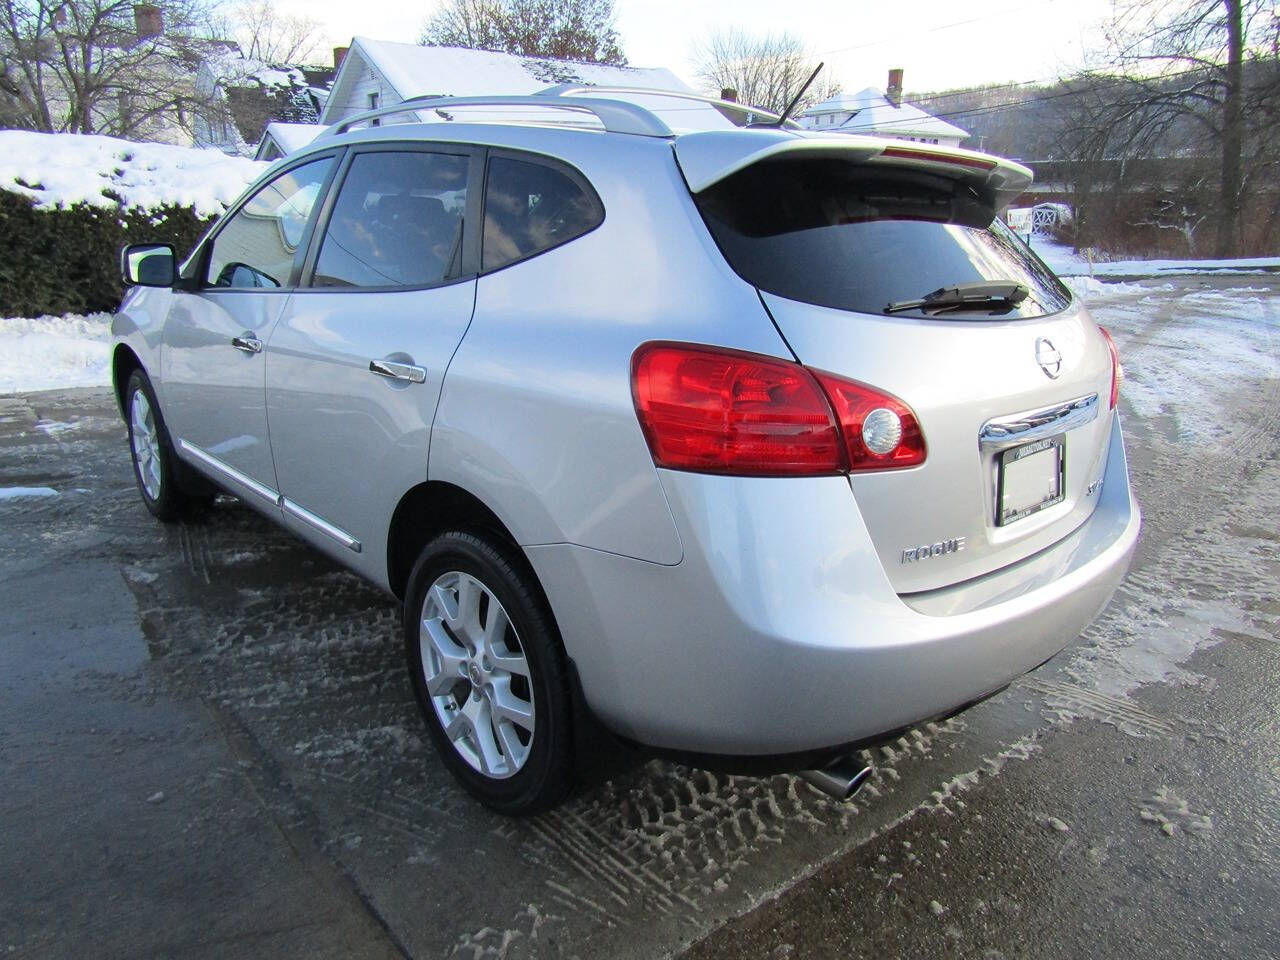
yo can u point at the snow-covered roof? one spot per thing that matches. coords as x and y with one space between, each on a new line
413 70
228 67
293 136
874 114
289 136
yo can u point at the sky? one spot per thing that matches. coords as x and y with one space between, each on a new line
940 44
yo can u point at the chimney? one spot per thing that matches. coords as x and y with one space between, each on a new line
148 20
339 54
893 93
730 94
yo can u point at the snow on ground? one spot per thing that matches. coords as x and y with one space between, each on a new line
59 169
50 353
22 493
1066 262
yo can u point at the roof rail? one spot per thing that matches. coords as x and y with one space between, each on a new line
768 116
617 116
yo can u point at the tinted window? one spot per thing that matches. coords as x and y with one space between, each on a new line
257 246
531 207
397 222
856 238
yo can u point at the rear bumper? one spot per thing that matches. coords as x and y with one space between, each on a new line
779 632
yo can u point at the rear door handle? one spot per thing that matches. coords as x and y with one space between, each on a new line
248 343
393 370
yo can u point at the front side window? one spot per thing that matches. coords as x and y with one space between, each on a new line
257 246
532 207
397 221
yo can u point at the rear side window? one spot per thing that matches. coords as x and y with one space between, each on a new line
397 222
531 207
855 237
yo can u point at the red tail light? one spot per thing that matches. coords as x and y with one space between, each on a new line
1117 371
724 411
854 403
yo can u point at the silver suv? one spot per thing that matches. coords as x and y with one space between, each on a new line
751 444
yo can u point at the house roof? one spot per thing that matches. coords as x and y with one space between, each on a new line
413 70
256 93
874 114
290 136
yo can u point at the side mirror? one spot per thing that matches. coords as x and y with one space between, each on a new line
148 265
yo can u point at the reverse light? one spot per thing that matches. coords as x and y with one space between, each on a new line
882 431
864 414
1117 368
712 410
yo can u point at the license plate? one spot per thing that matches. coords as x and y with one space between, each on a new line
1031 478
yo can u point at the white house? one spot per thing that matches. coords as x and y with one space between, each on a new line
873 113
382 73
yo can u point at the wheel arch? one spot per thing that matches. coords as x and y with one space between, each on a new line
123 362
429 509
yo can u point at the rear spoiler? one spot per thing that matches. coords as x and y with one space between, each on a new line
709 157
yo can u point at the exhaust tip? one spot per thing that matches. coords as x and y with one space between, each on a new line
840 781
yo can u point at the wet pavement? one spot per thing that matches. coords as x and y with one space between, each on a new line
208 744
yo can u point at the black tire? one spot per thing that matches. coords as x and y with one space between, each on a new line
175 493
546 775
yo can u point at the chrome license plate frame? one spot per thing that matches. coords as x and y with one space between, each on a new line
1023 472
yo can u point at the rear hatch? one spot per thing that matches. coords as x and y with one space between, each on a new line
1013 398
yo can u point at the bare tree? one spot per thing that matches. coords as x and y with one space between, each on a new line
560 29
765 71
98 66
1187 61
264 33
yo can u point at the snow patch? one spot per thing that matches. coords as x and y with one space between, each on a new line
1066 262
52 353
1168 811
61 169
20 493
54 427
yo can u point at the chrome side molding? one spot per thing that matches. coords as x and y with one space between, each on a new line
999 433
230 472
273 497
321 524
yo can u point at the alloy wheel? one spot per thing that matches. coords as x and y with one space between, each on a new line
477 675
145 442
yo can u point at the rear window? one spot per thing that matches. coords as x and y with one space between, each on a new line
530 207
855 237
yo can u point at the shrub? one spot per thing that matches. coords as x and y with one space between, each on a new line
67 260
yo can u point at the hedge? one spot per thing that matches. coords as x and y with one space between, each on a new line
67 260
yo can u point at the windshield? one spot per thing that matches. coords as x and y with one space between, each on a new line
855 237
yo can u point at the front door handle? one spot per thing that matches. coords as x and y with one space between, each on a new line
248 343
398 371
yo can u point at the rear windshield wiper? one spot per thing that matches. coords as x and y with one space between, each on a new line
980 293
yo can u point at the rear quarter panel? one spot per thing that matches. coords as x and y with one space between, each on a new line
536 416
